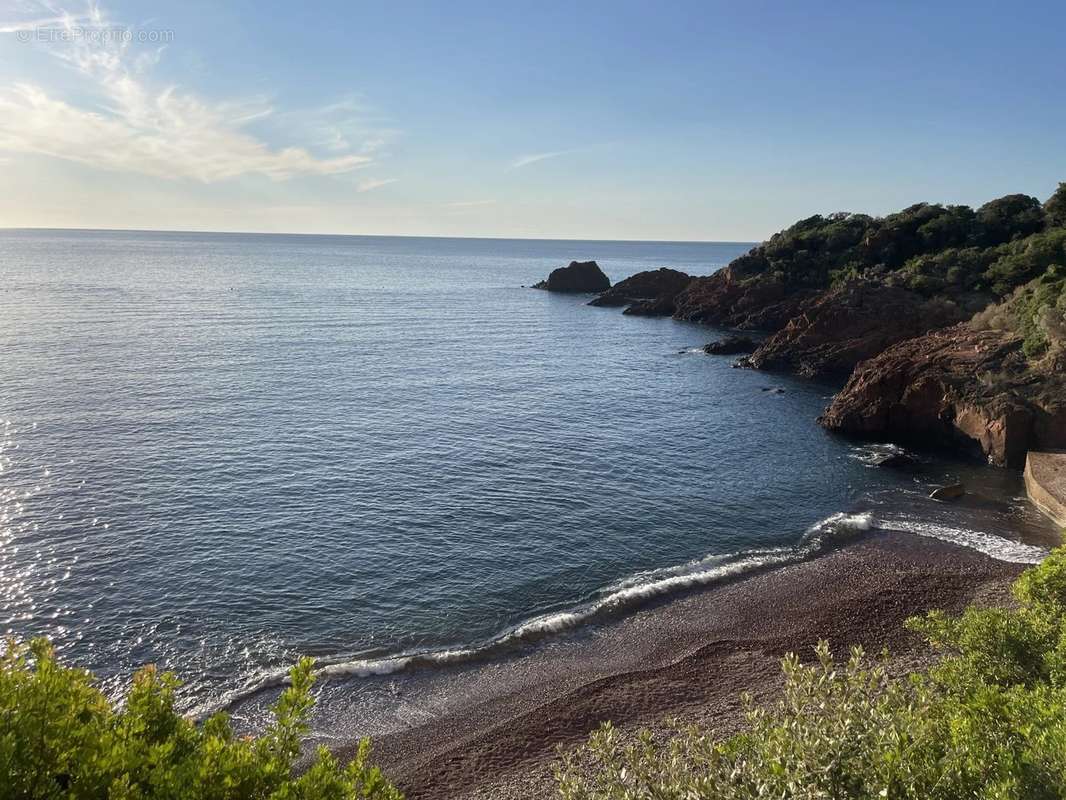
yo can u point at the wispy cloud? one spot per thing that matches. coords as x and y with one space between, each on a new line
135 127
349 124
533 158
373 183
31 16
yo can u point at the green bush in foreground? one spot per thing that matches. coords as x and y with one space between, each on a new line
989 721
61 738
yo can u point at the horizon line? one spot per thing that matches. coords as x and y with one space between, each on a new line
373 235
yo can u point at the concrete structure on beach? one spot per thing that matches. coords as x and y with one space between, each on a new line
1045 481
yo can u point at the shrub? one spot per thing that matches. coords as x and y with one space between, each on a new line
953 270
1055 207
1035 311
835 733
1025 259
61 738
989 721
1011 217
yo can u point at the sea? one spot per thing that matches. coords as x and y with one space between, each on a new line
220 452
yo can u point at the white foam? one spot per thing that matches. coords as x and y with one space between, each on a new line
365 667
678 579
840 525
993 546
655 583
871 455
548 623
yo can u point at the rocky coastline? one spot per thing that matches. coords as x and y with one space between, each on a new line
946 324
650 293
955 387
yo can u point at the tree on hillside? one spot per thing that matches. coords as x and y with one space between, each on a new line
1055 207
1010 217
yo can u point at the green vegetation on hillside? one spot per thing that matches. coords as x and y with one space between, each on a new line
1055 207
61 738
928 248
989 721
1036 312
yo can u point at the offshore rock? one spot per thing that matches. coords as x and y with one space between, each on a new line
731 346
951 492
577 276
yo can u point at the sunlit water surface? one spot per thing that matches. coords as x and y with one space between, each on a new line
221 451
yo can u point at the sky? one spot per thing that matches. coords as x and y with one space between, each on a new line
594 120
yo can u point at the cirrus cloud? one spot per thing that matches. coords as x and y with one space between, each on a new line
127 124
533 158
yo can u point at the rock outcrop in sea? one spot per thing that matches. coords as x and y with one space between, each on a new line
577 277
649 293
731 346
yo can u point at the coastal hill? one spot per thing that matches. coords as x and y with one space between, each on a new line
950 321
837 289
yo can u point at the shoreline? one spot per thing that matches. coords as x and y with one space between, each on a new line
688 657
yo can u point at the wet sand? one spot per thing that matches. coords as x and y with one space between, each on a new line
688 658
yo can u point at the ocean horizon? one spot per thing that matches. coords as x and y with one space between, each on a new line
207 232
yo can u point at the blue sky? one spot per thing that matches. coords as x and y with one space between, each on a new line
703 121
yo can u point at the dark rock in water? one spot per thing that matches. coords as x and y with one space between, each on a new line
610 300
650 293
730 346
578 276
660 307
772 389
952 492
900 461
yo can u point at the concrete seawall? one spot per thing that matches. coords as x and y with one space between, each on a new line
1045 481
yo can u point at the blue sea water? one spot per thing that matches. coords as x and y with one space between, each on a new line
221 451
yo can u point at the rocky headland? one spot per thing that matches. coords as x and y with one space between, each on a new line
947 323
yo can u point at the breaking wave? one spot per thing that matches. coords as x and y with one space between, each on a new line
618 597
993 546
637 589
